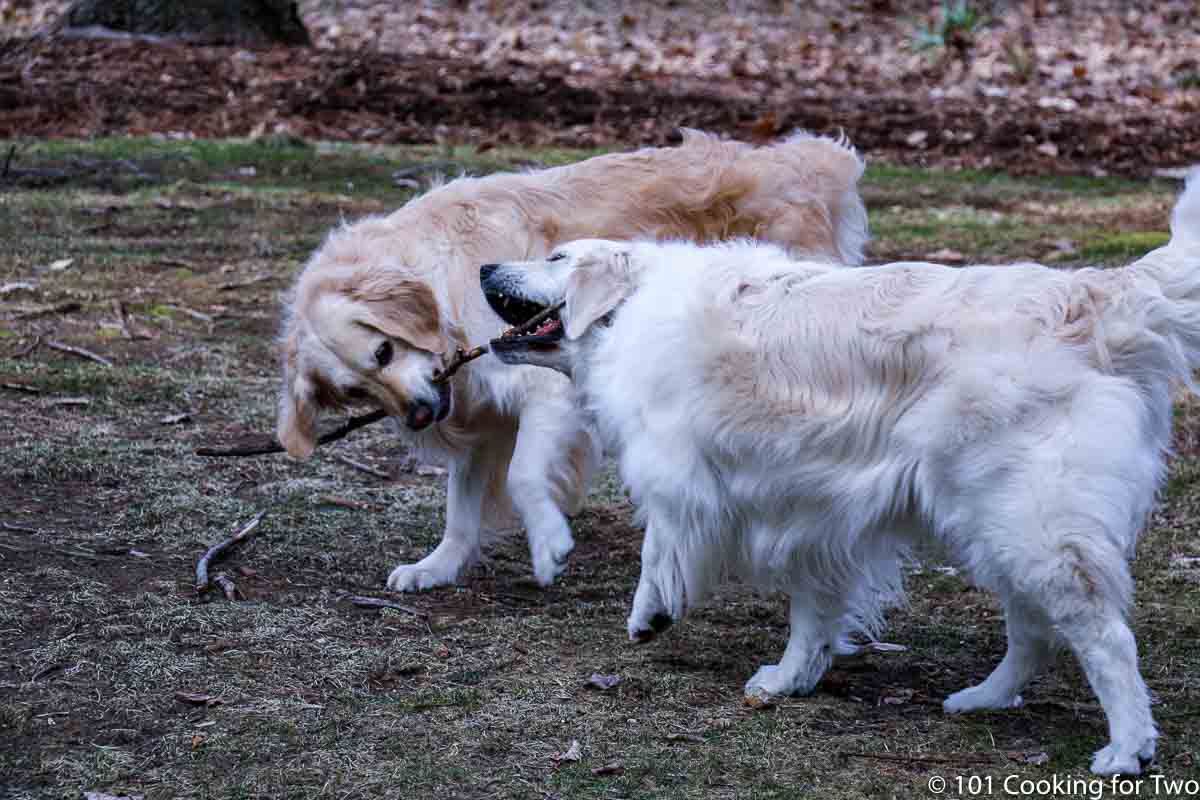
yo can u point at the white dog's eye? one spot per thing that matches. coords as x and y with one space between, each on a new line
557 257
383 354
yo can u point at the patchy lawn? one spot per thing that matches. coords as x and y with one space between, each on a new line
166 258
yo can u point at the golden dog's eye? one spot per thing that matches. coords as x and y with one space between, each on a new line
557 257
383 354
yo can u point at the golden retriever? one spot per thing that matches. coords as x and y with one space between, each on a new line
384 301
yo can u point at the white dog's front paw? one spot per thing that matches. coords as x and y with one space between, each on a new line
549 552
977 698
770 682
1128 760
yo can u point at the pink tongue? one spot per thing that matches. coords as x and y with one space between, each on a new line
547 326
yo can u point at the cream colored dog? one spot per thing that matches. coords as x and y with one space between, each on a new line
384 301
800 425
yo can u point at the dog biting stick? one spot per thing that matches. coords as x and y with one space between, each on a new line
264 444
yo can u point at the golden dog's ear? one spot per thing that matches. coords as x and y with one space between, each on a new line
594 291
297 426
403 308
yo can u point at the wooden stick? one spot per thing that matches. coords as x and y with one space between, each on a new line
78 351
531 324
227 586
967 760
34 345
265 444
379 602
219 549
361 467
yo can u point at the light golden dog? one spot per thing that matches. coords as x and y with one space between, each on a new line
384 301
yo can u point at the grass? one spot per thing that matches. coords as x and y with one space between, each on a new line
107 510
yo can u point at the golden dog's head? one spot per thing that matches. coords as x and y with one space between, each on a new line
363 329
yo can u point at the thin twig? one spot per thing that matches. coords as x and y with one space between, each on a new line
227 586
361 467
8 526
966 760
460 357
379 602
20 387
264 444
217 550
531 324
78 351
12 151
34 345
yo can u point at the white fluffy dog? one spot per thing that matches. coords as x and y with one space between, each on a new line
798 425
386 300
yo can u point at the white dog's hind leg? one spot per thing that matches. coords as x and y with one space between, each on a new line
1107 651
1029 652
815 630
540 470
467 481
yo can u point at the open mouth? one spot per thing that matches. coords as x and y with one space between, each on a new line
521 314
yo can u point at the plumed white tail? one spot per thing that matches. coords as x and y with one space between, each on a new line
1185 220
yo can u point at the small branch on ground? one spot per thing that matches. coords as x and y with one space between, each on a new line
219 549
20 387
69 307
965 760
361 467
12 151
379 602
34 345
78 351
227 586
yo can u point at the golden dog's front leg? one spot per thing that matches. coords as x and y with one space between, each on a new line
459 549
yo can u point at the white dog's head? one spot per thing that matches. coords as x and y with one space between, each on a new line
589 277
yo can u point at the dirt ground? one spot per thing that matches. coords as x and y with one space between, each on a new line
165 255
1077 86
166 259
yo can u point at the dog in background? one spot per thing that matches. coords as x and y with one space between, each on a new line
384 301
801 426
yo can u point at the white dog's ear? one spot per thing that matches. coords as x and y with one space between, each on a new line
594 291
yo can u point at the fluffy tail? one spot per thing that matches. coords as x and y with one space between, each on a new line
1153 327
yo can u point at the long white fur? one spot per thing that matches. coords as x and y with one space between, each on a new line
799 426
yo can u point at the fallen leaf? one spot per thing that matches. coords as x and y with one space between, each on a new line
197 741
574 752
598 681
175 419
898 698
916 138
757 701
886 647
61 264
615 768
138 554
947 256
1048 149
1035 757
